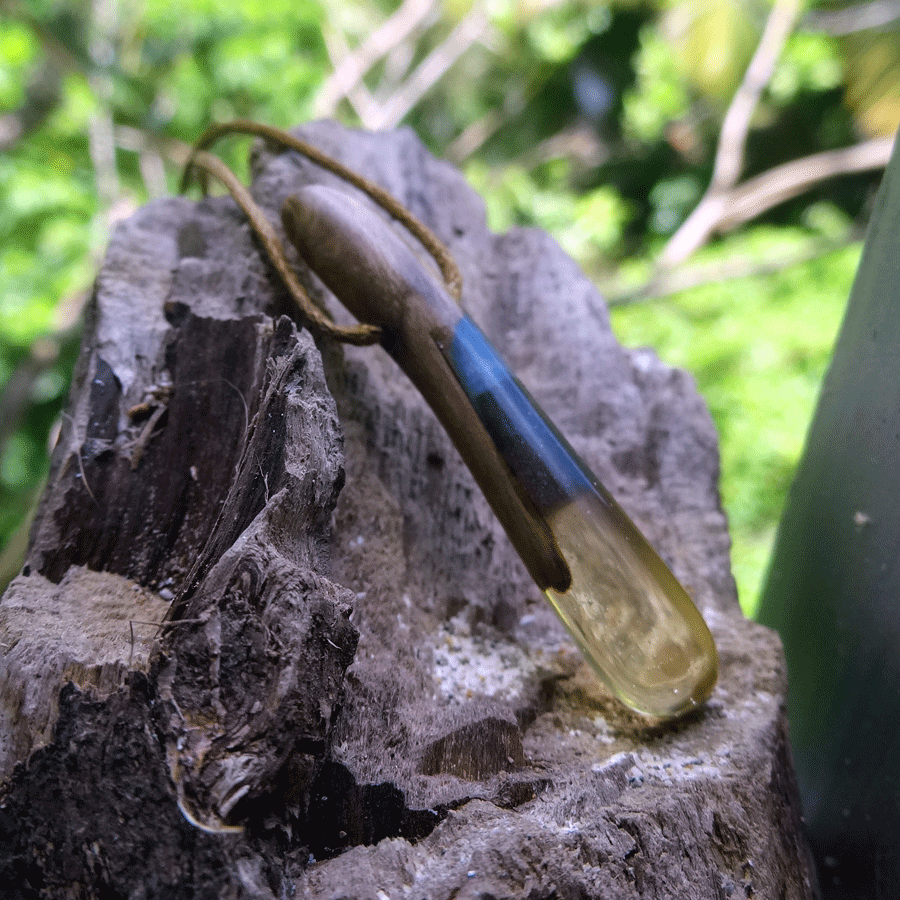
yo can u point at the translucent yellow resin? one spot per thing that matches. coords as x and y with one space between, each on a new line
631 618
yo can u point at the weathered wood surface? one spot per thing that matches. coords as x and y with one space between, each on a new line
363 694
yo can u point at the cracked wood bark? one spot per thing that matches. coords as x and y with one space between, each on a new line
363 695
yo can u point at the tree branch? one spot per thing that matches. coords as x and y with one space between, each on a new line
408 18
357 95
729 161
153 151
689 277
852 19
756 195
751 199
101 140
432 69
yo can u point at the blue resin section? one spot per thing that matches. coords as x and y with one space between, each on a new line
539 457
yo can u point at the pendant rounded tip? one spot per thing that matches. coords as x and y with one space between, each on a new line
634 622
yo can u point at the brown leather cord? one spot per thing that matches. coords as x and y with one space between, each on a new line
198 160
318 321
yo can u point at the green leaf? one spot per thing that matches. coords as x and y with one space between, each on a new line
833 585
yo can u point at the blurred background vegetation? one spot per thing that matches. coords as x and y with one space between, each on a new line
710 163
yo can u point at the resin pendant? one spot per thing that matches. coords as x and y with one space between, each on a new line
628 614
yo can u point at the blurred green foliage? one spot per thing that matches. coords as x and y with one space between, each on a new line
758 347
596 122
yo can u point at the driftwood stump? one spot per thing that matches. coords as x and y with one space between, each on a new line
361 693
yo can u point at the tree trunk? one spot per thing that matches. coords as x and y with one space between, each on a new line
361 693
